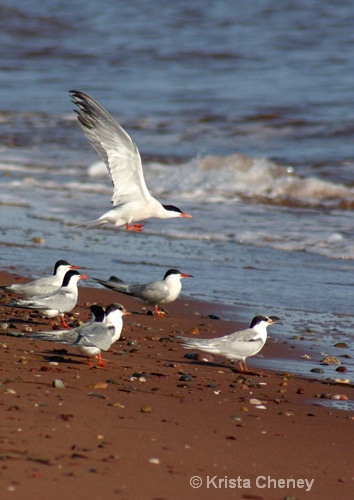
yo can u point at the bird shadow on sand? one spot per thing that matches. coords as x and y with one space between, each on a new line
61 356
233 368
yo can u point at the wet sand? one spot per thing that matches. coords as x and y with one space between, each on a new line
135 430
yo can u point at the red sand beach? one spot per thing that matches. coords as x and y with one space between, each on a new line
114 433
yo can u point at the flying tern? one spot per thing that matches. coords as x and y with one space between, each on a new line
154 293
57 303
132 201
42 286
236 346
93 337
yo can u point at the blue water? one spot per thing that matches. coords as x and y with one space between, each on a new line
242 114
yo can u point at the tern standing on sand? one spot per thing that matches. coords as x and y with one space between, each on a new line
56 303
154 293
93 337
236 346
42 286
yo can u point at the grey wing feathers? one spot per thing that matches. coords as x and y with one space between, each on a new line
247 335
114 284
100 337
56 336
115 147
194 343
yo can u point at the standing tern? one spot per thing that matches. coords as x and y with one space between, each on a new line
154 293
236 346
42 286
131 199
93 337
57 303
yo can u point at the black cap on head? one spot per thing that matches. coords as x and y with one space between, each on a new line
114 307
172 208
60 263
258 319
68 276
171 271
98 312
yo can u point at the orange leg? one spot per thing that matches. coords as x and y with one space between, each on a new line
242 365
160 313
63 322
100 360
89 361
134 227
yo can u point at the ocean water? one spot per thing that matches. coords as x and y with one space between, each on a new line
242 114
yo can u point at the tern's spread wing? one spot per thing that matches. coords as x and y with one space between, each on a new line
115 147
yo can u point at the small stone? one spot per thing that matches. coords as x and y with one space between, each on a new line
330 360
146 409
191 355
4 326
193 331
10 391
300 390
317 370
58 384
38 239
140 376
254 401
121 352
213 316
341 369
99 385
186 378
155 461
325 396
305 356
342 345
206 358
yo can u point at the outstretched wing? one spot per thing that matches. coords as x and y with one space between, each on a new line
115 147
